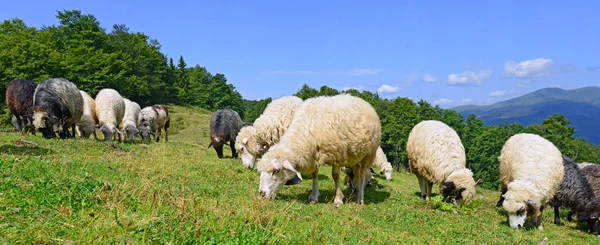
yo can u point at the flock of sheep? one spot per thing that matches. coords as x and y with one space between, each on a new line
292 137
57 105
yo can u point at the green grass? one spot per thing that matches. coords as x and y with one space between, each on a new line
91 192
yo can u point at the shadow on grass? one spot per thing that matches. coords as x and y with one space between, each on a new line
24 150
373 194
418 194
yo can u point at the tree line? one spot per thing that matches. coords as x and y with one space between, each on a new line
79 50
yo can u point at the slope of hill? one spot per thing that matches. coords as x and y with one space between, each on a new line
581 106
75 191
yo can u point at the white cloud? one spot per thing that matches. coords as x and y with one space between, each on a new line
498 93
355 72
519 85
465 100
443 101
388 89
469 77
359 88
360 72
556 86
528 68
430 78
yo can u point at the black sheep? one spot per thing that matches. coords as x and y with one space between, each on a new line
19 99
224 127
57 103
576 193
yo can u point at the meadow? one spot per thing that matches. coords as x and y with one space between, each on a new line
76 191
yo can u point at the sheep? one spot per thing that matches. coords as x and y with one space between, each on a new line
531 170
57 102
224 127
592 174
151 121
130 119
110 108
267 129
19 100
575 192
341 131
582 165
436 156
351 182
89 119
381 162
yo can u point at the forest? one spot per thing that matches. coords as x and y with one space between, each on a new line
80 50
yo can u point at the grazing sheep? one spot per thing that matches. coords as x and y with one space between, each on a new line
576 193
19 99
341 131
88 121
592 173
582 165
151 121
224 127
130 119
381 162
531 170
57 102
110 108
436 156
267 129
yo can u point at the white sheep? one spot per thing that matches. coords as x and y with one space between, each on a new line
531 171
253 141
382 163
341 131
152 119
130 119
87 124
110 108
436 156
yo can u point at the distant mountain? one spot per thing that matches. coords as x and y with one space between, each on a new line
581 106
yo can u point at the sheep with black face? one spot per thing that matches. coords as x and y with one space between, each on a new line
57 104
225 125
531 171
436 156
576 193
19 100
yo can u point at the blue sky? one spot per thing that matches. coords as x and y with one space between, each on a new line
448 54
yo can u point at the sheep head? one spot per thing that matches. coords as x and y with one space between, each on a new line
519 204
109 131
130 131
274 176
459 187
145 130
246 145
48 125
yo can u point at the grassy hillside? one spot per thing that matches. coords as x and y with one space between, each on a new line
581 106
83 191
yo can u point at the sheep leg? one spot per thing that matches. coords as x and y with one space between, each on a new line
314 194
339 195
19 125
556 205
95 136
359 177
538 220
421 181
233 151
501 200
219 150
166 134
73 130
158 135
429 186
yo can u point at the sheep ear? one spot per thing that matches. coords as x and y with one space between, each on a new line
478 182
245 141
209 145
97 126
287 165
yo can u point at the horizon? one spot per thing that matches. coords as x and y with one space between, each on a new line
436 52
